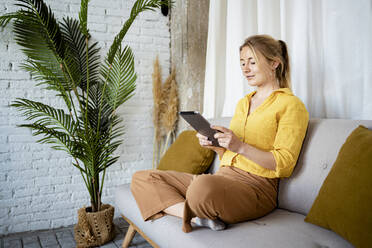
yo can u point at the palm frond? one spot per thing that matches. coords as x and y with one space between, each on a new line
47 116
116 129
48 77
5 19
95 101
39 34
88 148
109 161
37 21
105 156
138 7
34 45
112 142
120 78
59 140
99 145
75 42
83 17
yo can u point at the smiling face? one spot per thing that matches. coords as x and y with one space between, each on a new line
256 73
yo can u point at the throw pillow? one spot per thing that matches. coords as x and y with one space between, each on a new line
187 155
344 202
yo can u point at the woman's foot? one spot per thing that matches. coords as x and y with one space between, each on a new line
215 225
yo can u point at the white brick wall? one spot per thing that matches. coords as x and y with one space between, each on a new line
39 188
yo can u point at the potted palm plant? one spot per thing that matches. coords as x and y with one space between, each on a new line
62 58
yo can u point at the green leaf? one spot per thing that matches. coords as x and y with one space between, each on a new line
50 78
46 116
121 78
95 98
138 7
83 17
36 23
60 140
76 46
39 35
5 19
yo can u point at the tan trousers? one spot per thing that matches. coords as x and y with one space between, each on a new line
231 195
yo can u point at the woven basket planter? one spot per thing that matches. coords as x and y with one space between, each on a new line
94 229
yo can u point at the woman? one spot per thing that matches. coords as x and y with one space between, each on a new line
262 145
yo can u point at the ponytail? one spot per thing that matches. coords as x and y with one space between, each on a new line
283 73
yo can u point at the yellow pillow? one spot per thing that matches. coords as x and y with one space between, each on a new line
187 155
344 202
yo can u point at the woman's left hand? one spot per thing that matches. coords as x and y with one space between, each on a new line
228 139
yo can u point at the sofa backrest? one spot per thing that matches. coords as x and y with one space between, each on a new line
323 140
319 151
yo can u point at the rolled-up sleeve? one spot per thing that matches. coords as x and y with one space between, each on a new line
291 132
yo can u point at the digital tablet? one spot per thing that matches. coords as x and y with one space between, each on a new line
200 124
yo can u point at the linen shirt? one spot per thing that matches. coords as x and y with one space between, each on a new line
278 126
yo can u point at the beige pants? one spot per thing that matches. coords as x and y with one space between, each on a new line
231 195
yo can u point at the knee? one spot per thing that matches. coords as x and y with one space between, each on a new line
145 174
140 176
202 189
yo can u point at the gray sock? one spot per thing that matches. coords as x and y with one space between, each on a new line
215 225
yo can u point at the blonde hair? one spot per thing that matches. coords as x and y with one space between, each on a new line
272 50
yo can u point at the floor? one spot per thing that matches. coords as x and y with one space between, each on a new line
63 238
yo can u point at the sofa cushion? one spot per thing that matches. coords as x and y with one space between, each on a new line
323 140
280 229
187 155
344 202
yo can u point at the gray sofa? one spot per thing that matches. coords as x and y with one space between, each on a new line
285 226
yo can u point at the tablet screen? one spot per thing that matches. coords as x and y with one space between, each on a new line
200 124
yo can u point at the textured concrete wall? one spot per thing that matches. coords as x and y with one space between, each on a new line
39 187
189 31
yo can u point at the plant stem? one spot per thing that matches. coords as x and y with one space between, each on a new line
103 179
87 185
97 194
166 143
73 107
94 199
86 103
154 149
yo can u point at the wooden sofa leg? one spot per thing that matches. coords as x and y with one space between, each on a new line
132 230
129 236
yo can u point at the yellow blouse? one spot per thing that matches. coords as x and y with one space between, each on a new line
278 125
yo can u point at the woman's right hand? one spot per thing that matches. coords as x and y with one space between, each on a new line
204 142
